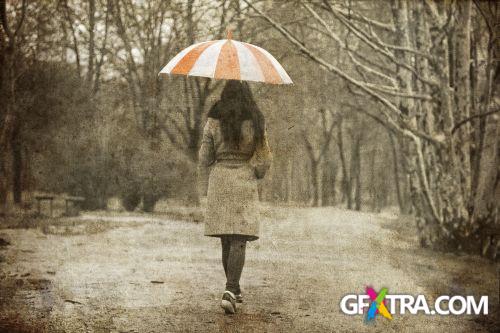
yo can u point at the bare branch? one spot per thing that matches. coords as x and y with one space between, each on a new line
123 35
3 18
376 118
5 24
371 70
102 49
399 48
392 92
373 44
468 119
358 17
171 120
483 14
332 35
431 5
73 34
21 20
329 67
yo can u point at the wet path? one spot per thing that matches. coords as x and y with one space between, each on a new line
147 274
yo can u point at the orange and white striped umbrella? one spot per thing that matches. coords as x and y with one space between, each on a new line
230 60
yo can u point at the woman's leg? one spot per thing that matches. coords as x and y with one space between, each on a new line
226 245
235 263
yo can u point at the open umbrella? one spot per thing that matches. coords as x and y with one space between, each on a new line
230 60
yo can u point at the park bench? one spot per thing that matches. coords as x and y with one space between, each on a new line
40 198
73 205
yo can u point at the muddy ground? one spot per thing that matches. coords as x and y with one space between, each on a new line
150 273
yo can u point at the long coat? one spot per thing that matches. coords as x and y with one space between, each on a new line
228 177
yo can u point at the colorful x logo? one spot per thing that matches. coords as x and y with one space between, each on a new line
378 305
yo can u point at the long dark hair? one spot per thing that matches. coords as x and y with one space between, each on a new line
236 104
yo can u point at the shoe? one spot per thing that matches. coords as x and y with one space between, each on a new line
239 298
228 302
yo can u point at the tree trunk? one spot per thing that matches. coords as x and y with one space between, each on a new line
463 95
314 182
329 172
488 174
90 69
3 185
17 166
356 171
289 180
486 200
397 181
7 90
372 186
346 183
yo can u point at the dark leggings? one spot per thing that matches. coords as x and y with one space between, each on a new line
233 260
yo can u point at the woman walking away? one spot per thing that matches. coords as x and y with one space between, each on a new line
234 153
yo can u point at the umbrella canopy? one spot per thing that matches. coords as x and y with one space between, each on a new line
230 60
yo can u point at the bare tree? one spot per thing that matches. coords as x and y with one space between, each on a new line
409 72
10 72
316 157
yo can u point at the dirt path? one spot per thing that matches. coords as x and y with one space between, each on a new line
147 274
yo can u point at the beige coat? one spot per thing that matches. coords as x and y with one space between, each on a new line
229 179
